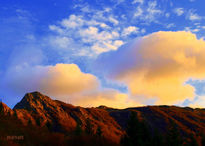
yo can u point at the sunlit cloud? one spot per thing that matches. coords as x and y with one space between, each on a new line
107 97
179 11
61 79
65 82
158 65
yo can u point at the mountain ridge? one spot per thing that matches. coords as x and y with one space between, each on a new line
41 111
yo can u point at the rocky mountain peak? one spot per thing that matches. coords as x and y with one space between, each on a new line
4 109
34 100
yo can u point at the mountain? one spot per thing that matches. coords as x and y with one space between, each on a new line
41 110
56 121
5 110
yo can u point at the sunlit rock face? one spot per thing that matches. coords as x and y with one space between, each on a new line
40 110
5 110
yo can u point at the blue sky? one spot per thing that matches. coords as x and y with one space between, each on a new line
45 33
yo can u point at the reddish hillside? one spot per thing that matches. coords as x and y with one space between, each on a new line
40 110
52 116
188 120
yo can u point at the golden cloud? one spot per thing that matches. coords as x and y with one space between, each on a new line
67 79
65 82
108 97
158 65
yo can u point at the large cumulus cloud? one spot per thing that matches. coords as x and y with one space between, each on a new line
61 79
65 82
157 66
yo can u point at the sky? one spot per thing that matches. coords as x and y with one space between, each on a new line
118 53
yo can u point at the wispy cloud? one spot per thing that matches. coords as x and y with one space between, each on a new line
148 13
179 11
193 16
101 31
137 1
129 30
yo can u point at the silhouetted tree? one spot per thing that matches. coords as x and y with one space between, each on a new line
193 141
137 133
99 131
158 139
15 114
49 125
78 129
88 127
38 122
173 136
29 122
203 140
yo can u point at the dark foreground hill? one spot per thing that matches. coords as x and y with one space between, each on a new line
39 120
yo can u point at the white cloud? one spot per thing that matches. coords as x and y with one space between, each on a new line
179 11
92 26
56 29
152 11
195 30
62 42
90 35
137 1
103 25
105 46
138 12
191 15
118 43
72 22
198 102
148 13
170 25
167 15
143 30
113 20
130 30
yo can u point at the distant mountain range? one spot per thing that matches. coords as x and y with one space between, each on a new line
37 119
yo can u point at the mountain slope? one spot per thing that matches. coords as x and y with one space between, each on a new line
5 110
38 110
159 118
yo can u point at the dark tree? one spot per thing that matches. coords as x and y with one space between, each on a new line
78 129
88 127
38 122
158 139
99 131
29 122
173 136
137 133
49 125
203 140
193 141
15 114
